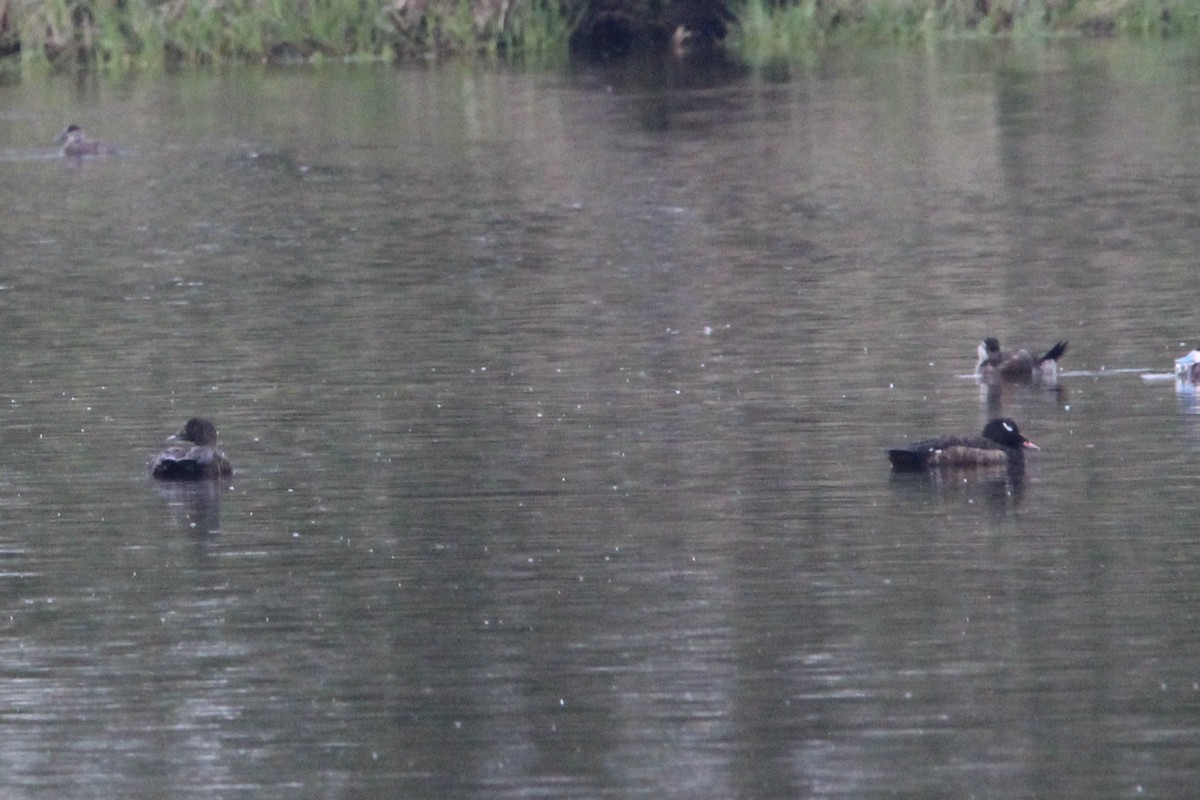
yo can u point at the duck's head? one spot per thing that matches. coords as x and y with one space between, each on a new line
71 133
198 430
1004 432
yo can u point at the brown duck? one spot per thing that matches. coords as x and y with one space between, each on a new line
1000 445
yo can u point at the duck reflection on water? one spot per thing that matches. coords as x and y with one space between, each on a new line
996 394
1000 488
196 505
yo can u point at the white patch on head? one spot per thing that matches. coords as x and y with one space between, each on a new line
1007 427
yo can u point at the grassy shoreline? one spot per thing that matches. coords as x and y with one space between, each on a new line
125 34
132 34
767 31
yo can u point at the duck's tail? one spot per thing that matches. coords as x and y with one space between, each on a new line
908 460
1054 353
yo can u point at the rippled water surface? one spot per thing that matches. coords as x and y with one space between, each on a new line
558 408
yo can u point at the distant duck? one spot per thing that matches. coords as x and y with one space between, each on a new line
76 144
682 41
1017 365
1000 445
199 462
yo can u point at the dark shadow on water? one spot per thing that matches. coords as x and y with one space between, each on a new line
196 505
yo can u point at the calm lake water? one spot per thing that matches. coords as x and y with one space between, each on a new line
558 407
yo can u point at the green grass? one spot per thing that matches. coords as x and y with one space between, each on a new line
161 33
766 34
781 31
1173 17
538 32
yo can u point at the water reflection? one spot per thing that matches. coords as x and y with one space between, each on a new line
999 489
559 405
998 395
194 505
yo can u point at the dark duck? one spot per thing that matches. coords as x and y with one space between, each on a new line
1017 365
197 460
1000 445
76 144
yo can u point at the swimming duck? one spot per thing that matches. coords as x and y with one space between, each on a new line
199 462
1000 444
75 143
1017 365
1187 368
